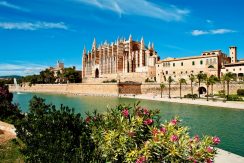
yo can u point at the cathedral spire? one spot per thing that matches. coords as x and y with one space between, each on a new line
152 45
130 38
142 43
94 43
84 50
149 45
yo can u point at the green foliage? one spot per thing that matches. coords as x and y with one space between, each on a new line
190 96
234 98
72 75
147 80
240 92
122 134
134 134
110 81
10 151
52 135
8 112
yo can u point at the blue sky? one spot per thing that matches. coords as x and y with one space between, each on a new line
35 34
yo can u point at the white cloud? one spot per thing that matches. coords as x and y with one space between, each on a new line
209 21
222 31
211 32
199 32
12 6
21 69
32 26
141 8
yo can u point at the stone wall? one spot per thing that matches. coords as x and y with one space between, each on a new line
175 88
125 88
115 89
103 89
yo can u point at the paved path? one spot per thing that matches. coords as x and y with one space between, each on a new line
228 104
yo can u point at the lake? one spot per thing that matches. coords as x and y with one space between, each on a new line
226 123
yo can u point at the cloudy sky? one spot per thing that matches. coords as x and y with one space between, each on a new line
35 34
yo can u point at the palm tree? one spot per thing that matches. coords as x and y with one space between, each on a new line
227 78
192 79
181 81
170 80
213 80
200 77
162 86
207 82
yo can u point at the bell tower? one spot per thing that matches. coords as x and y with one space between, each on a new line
233 54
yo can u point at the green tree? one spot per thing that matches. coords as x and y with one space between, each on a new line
72 75
207 82
181 81
9 112
227 78
192 79
162 86
213 80
54 135
200 78
170 80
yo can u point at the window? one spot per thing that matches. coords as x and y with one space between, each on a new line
181 63
193 63
227 70
166 72
158 65
173 64
233 69
201 62
206 61
240 69
192 71
210 61
174 72
181 72
186 72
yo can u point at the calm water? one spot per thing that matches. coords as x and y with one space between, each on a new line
226 123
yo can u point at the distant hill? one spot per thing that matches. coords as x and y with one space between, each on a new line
11 76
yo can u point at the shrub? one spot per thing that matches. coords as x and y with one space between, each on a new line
8 112
240 92
52 135
147 80
191 96
234 98
134 134
110 81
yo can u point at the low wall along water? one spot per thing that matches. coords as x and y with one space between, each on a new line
122 88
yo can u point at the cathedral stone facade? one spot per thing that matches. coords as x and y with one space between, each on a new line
124 60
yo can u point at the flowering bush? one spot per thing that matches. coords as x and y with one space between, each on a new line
134 134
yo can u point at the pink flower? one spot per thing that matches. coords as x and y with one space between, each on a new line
174 121
174 138
125 113
163 130
216 140
148 121
145 111
196 138
209 149
141 159
88 119
209 160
